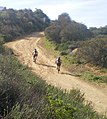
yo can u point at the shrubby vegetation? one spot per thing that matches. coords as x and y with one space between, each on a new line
95 51
66 30
16 23
68 35
21 95
99 31
90 76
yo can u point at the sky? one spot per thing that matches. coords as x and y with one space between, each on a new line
92 13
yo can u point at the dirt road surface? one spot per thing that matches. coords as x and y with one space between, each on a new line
46 68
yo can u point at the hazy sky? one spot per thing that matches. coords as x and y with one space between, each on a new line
92 13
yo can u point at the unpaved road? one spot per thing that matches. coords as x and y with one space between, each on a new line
46 68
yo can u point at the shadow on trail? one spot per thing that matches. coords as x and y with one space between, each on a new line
67 73
46 65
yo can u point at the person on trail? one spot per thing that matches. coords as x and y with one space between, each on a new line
35 54
58 63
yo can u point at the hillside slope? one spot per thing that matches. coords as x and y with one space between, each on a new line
46 69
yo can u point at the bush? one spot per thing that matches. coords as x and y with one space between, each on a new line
1 40
22 112
63 53
94 51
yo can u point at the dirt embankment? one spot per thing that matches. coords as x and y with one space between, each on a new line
46 68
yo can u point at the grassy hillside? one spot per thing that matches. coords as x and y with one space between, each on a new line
23 95
86 71
81 49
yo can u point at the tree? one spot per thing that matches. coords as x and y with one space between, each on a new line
14 23
64 29
64 19
53 32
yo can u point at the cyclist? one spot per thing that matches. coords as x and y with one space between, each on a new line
35 54
58 62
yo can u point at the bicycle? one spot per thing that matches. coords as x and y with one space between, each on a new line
35 59
58 66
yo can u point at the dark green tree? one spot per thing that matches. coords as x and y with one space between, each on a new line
64 29
15 23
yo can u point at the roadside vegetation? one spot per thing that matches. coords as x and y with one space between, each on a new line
82 70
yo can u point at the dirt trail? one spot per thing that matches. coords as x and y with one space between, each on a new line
46 68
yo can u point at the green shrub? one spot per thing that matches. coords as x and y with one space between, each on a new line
63 53
95 51
92 77
1 40
22 112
